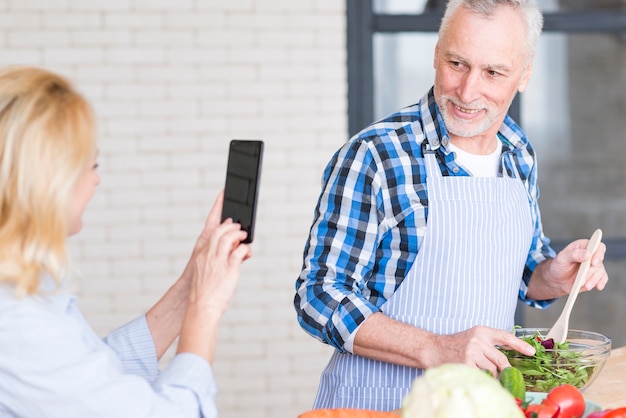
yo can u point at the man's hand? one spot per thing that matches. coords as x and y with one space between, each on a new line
478 346
383 338
554 278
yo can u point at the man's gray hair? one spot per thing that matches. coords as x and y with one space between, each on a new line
530 12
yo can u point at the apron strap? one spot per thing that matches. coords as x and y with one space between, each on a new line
432 168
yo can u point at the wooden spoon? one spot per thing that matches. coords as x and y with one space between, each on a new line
559 330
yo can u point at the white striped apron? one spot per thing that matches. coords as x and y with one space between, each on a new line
466 273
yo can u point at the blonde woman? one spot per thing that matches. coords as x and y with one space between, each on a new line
52 364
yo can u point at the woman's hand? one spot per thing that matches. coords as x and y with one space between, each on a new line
212 274
215 271
165 318
211 224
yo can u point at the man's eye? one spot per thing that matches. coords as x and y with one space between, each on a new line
493 73
457 65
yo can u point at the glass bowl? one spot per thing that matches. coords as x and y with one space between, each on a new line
579 364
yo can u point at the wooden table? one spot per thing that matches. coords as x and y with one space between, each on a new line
609 388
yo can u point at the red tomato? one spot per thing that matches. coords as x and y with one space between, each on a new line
599 414
520 404
530 409
542 410
570 401
616 413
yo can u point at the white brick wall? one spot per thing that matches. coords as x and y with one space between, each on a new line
172 83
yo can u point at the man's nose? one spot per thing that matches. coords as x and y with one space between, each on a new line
470 86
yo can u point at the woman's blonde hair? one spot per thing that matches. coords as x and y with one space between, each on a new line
47 139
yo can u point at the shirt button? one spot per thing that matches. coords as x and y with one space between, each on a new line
435 142
455 170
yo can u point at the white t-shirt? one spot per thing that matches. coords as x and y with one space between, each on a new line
479 165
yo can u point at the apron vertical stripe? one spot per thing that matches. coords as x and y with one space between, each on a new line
467 273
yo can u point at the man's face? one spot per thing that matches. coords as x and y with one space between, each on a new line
480 64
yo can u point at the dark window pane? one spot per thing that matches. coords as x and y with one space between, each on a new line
578 127
550 6
400 6
403 69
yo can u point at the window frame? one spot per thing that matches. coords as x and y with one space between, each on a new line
363 23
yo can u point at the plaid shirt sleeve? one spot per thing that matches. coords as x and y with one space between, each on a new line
341 249
367 226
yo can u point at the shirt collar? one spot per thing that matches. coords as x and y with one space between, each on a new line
57 295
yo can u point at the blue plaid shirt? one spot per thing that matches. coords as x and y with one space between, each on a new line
371 217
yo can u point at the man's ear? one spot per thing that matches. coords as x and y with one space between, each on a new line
436 57
523 83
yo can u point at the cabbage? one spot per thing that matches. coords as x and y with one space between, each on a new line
457 390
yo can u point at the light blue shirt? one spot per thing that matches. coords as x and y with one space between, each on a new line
52 364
